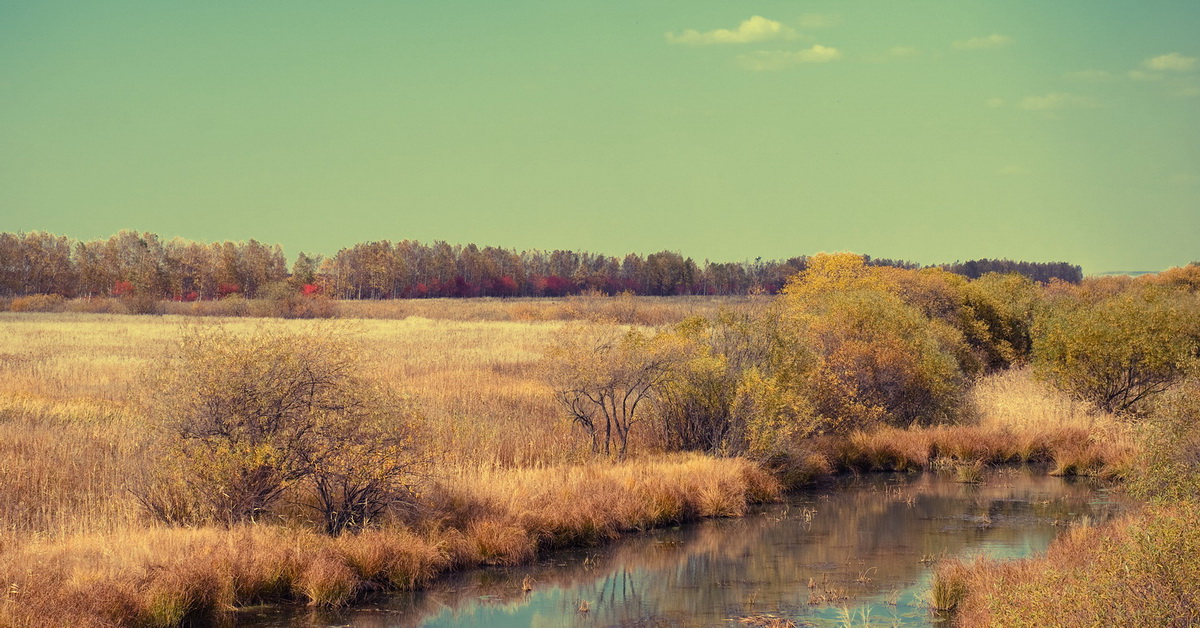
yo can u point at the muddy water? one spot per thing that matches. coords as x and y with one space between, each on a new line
854 553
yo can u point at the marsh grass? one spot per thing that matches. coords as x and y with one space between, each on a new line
1018 420
511 476
159 576
1136 571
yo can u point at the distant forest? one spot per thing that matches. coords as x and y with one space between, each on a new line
130 263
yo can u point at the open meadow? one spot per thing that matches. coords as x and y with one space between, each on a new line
117 511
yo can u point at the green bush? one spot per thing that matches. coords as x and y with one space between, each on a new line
1120 351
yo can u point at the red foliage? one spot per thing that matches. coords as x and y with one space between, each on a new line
502 287
553 286
226 289
122 288
310 290
460 288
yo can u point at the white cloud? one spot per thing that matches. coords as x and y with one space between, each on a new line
1055 101
977 43
1171 62
1139 75
764 60
817 20
755 29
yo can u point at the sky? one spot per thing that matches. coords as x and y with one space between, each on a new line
923 130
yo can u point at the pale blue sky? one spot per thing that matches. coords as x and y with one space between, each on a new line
922 130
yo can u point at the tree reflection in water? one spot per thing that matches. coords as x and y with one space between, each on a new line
862 547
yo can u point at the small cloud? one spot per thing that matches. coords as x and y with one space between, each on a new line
817 20
765 60
755 29
1173 62
994 103
1013 171
1090 76
979 43
1139 75
902 51
1056 101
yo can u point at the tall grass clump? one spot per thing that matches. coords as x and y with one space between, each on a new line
1138 571
162 575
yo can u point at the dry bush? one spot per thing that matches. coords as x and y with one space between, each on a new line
38 303
249 417
98 305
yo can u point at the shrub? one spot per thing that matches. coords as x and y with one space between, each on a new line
251 417
1120 351
735 391
1169 469
38 303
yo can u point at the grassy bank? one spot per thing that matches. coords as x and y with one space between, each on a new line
1138 571
158 576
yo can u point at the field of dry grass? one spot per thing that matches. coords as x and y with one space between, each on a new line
510 474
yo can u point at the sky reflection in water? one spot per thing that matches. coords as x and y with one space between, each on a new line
866 545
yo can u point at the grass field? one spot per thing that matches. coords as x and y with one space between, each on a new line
510 474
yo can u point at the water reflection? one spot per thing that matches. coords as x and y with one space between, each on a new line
862 548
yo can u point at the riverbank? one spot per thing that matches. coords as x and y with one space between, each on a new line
160 576
1140 570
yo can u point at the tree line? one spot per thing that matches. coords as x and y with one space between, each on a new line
145 264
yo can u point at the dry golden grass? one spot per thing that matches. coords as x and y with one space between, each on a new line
511 476
624 308
1019 420
159 576
1138 571
72 427
508 480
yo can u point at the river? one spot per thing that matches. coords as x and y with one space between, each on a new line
857 552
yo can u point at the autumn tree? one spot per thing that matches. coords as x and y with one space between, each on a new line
738 388
879 359
604 378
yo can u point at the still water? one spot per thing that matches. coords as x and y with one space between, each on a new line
857 552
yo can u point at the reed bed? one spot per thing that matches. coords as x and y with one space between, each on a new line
1137 571
1017 420
159 576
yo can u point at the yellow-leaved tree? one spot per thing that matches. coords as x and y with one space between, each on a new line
878 358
